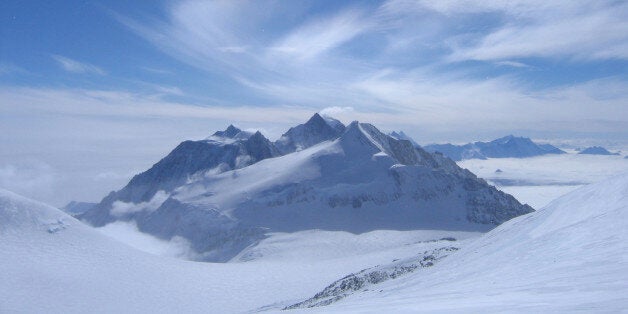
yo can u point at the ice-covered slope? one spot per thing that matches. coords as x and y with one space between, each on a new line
569 256
362 181
508 146
224 150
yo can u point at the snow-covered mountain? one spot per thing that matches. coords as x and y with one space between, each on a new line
223 151
569 256
505 147
359 181
596 150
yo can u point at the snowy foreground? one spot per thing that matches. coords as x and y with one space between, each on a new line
570 255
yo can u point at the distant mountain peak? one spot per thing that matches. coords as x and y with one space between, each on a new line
230 132
511 139
596 150
316 119
258 134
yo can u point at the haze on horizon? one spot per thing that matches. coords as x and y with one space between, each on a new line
92 92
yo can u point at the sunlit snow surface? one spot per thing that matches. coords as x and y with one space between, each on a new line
569 256
539 180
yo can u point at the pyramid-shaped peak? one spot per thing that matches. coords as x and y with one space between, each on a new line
230 132
257 136
232 128
316 130
316 118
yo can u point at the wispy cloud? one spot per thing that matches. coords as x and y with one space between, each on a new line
548 29
156 70
512 64
318 36
9 68
303 58
393 61
74 66
125 104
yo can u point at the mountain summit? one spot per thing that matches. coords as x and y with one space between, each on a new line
317 129
352 178
596 150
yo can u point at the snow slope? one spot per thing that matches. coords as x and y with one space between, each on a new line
569 256
52 263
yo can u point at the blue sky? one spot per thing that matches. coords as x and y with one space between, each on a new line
119 83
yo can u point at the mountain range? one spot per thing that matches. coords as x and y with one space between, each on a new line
506 147
228 191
